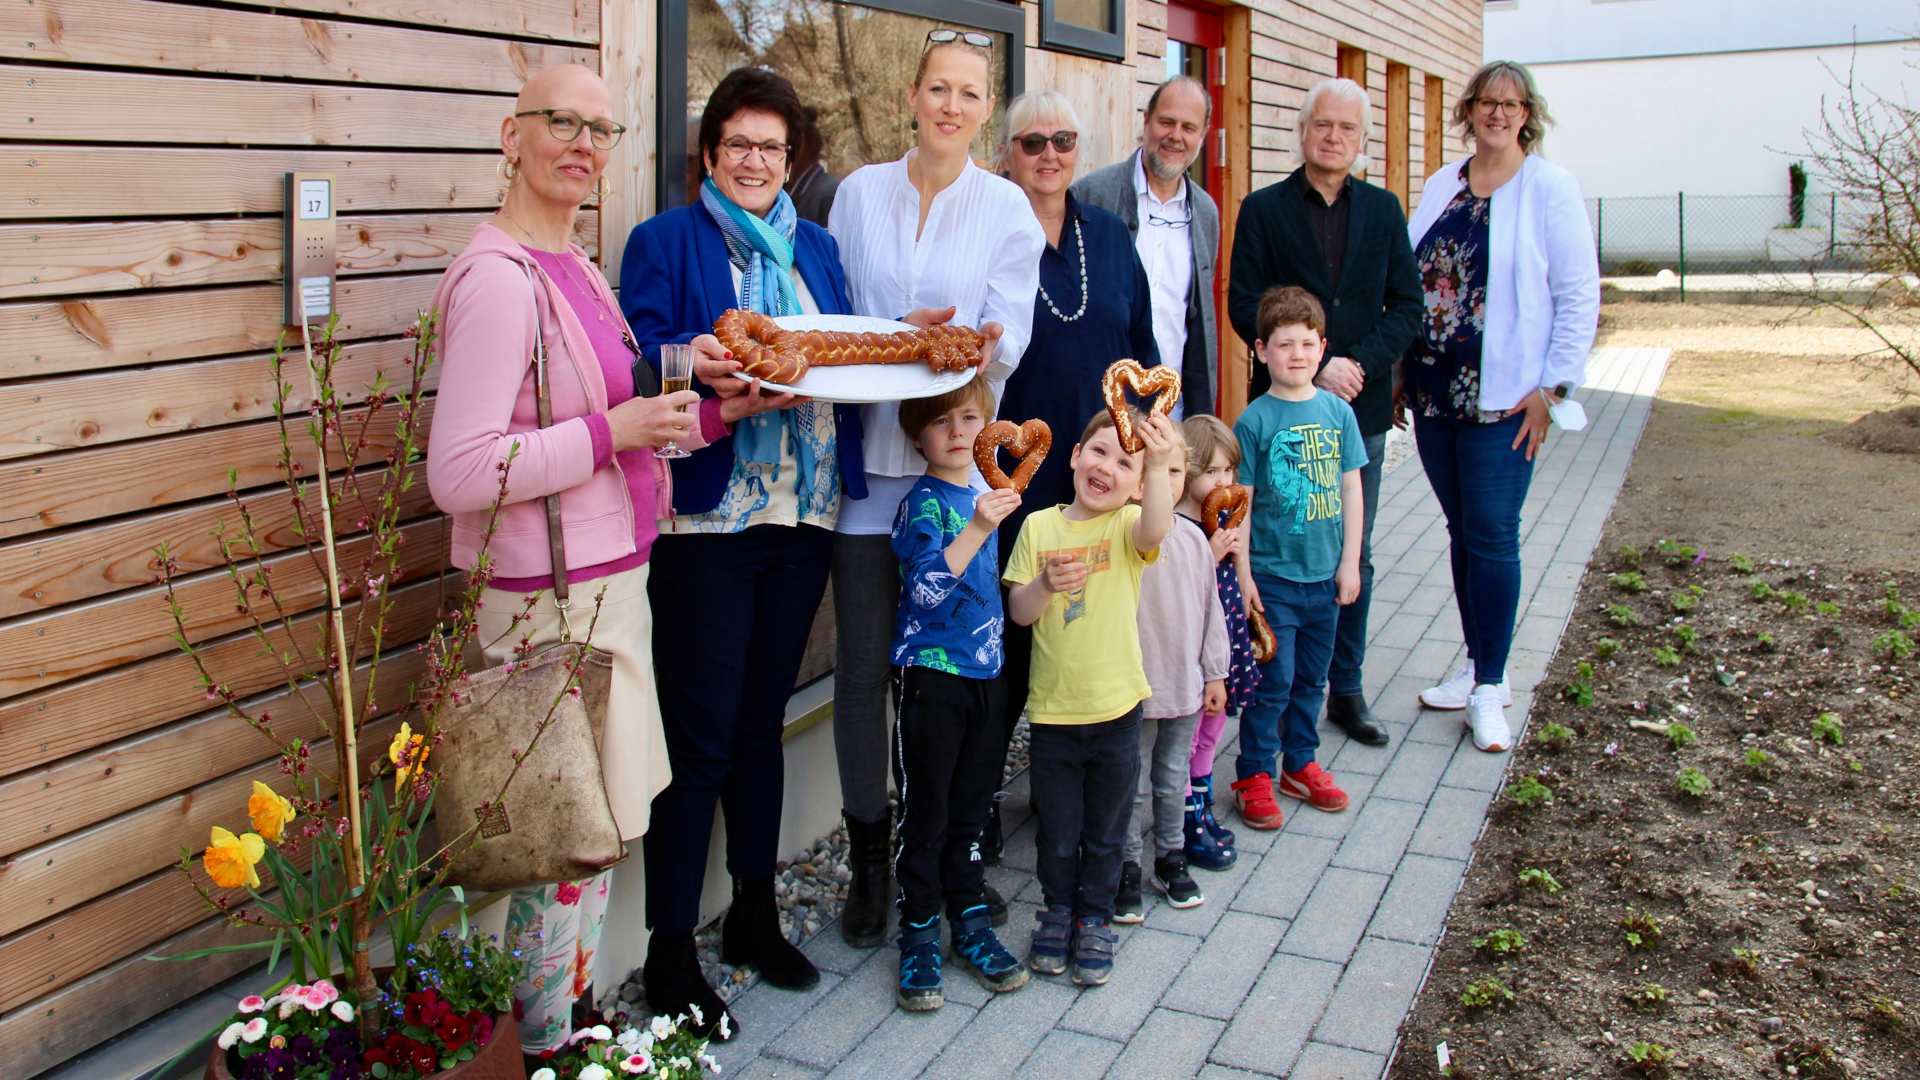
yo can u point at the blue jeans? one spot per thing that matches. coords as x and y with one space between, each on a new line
1284 717
1480 481
1350 641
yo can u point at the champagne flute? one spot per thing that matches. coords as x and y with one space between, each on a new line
676 373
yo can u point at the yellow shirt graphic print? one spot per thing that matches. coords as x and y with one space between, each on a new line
1086 645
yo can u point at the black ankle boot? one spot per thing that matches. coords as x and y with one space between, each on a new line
863 922
751 935
675 985
1350 714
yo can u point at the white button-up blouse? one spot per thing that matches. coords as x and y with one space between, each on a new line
980 252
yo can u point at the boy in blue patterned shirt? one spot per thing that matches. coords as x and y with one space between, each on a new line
948 699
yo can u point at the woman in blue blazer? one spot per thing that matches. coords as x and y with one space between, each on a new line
740 571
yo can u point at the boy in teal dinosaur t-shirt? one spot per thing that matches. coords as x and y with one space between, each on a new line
1301 452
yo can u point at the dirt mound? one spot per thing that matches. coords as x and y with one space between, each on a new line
1893 431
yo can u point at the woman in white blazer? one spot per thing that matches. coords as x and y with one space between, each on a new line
1512 284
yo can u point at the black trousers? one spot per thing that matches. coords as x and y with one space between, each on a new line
947 752
731 616
1083 778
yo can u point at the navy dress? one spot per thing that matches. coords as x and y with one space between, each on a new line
1443 364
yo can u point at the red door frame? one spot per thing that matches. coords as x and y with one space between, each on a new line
1200 26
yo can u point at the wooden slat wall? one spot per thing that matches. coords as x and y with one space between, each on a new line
141 156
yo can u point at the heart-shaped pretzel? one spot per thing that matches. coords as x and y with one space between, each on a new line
1029 442
1235 497
1146 382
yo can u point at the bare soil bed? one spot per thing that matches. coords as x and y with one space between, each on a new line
1704 861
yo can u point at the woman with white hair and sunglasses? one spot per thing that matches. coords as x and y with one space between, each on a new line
1512 284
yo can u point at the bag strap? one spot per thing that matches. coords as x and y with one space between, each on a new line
556 543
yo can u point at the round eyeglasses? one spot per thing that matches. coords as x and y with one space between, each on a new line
566 126
738 150
1033 144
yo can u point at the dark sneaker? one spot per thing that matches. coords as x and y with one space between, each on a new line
976 947
1203 790
1092 951
996 904
920 966
1202 849
1171 878
1047 955
1128 905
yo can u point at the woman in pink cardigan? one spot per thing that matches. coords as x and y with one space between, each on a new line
518 271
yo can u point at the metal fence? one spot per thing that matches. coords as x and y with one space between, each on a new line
1718 234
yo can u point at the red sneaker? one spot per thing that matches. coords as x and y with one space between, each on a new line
1254 796
1315 787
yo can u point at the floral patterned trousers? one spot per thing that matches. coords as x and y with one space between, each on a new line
556 928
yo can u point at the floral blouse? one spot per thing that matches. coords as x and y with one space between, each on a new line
1443 364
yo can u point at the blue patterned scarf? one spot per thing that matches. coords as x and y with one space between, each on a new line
762 250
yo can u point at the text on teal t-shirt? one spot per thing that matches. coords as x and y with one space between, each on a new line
1292 453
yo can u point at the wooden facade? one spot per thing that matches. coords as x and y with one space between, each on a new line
140 245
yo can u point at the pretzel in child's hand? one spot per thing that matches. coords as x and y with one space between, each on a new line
1029 442
1145 382
1235 497
1263 642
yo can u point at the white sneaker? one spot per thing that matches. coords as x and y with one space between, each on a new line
1487 716
1453 693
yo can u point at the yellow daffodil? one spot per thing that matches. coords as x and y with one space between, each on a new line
407 752
270 812
230 860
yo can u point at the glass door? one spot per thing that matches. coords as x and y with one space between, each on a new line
1196 47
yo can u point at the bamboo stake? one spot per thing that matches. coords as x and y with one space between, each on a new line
349 726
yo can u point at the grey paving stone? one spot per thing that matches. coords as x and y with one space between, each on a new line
768 1068
1402 632
830 952
1416 770
843 1017
1302 818
1452 823
1272 1026
1221 1072
1439 575
763 1013
1564 574
1430 539
1219 887
1069 1055
1373 996
1481 771
1336 913
1380 833
1000 1036
1170 1044
1415 906
1226 966
1433 660
1446 627
1552 603
1444 727
1399 700
1426 600
904 1043
1392 587
1286 874
1016 850
1361 759
1323 1062
1143 968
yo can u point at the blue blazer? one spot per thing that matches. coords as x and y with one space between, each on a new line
676 281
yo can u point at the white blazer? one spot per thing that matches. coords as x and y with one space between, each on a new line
1543 279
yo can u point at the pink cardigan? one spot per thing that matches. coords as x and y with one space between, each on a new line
486 405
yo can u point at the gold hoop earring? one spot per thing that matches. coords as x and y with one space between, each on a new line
602 188
508 169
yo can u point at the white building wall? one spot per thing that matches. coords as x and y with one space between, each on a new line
1545 31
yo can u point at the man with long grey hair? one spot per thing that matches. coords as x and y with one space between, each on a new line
1176 230
1345 241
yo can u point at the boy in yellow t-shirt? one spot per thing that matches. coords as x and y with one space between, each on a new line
1074 577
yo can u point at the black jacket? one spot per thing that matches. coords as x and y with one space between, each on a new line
1373 311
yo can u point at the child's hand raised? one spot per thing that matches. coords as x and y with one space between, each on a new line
1159 435
991 509
1224 543
1065 573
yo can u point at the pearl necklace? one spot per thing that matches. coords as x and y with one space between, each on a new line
1080 239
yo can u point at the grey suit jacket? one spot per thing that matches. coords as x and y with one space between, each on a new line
1111 188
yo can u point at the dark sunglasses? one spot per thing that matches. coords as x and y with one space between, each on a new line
1034 144
943 35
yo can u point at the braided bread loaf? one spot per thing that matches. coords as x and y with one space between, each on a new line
765 351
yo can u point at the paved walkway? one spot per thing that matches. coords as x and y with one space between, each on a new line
1308 953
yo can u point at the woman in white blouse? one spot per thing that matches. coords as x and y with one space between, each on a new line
929 230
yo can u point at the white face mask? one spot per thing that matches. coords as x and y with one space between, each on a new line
1568 415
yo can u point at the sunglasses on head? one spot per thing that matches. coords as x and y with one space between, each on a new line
1034 144
943 35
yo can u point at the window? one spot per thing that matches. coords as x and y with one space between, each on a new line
852 63
1088 27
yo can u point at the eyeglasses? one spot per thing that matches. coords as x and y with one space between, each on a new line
737 148
1509 107
566 127
1169 223
942 36
1033 144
